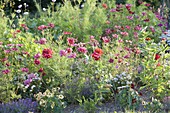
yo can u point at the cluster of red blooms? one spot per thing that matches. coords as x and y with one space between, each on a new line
97 54
47 53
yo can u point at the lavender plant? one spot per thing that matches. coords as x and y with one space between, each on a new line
21 106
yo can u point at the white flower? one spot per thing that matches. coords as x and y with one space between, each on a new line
60 96
44 9
26 13
129 82
25 4
20 6
18 11
128 77
53 0
124 74
115 79
82 6
10 39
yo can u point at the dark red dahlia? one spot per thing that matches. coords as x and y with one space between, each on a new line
47 53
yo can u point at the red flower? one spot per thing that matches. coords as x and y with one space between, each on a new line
132 86
37 62
157 56
159 64
41 70
105 6
133 100
47 53
99 51
96 56
147 39
71 41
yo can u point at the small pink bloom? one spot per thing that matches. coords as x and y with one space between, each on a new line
51 25
7 51
47 53
42 41
37 62
105 40
127 56
124 33
6 71
41 70
115 35
113 10
7 64
14 49
130 17
128 27
120 41
67 33
27 82
82 50
31 76
71 41
19 45
42 27
63 53
24 69
38 55
111 60
69 50
128 6
72 55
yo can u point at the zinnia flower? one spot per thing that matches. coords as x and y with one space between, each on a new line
157 56
71 41
99 51
63 53
47 53
82 49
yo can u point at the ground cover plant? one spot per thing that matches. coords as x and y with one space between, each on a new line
88 56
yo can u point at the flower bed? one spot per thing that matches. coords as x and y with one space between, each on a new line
87 56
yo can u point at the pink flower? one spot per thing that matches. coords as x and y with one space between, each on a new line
128 27
152 29
41 70
120 41
138 28
72 55
113 10
6 71
37 62
128 6
71 41
31 76
24 69
69 50
47 53
82 50
67 33
1 43
38 55
63 53
115 35
51 25
127 56
14 49
105 39
42 41
124 33
111 60
7 51
130 17
27 82
42 27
